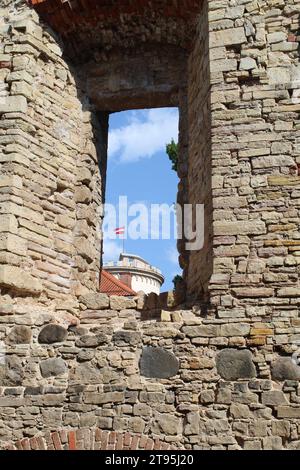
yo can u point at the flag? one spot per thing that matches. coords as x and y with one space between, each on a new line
120 231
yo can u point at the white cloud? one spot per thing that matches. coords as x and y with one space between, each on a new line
145 134
172 255
112 250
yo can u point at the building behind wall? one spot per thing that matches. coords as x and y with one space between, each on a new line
221 372
136 273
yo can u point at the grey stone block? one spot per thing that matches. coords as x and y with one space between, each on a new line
20 334
52 367
234 364
52 334
158 363
284 369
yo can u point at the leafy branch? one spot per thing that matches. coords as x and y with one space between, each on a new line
172 152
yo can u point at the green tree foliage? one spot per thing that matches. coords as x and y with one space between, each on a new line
177 280
172 151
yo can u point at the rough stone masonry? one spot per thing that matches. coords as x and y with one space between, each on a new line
79 369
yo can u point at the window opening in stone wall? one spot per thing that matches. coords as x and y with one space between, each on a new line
140 246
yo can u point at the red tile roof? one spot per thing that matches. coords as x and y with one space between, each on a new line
110 285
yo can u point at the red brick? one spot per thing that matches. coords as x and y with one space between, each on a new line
47 437
157 444
98 434
79 434
119 445
127 439
5 65
63 436
149 444
72 440
33 443
25 444
134 442
104 440
10 447
87 439
41 443
112 438
18 445
56 441
143 441
164 446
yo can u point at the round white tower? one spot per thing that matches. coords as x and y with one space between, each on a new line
136 273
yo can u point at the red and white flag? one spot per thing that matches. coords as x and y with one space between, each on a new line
120 231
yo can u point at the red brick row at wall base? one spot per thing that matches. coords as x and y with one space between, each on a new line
89 439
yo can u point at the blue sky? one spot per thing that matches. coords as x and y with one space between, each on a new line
139 168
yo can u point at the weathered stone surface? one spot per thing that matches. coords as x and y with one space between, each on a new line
232 66
273 398
91 341
255 227
228 37
235 329
165 316
247 63
206 397
15 278
192 424
85 374
11 372
158 363
13 104
289 292
167 424
85 355
20 334
284 368
52 334
121 303
130 338
281 428
253 292
234 364
101 398
288 412
83 195
95 301
53 367
201 330
240 411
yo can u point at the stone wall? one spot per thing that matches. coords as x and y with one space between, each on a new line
178 378
216 375
50 183
89 439
255 77
200 171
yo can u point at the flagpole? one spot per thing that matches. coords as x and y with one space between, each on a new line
121 231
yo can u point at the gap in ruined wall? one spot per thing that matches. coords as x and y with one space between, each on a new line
140 176
150 55
126 74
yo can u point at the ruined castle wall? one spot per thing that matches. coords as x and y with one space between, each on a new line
215 378
179 378
249 101
199 158
255 81
50 182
